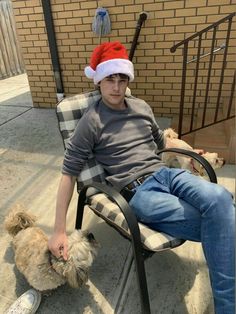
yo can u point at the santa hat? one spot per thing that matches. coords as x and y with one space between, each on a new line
107 59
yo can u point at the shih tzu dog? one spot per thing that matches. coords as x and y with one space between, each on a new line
43 271
179 161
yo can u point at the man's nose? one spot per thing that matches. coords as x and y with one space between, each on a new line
116 86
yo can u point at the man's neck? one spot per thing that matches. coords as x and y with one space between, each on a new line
121 106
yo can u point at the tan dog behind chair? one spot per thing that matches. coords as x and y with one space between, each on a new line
42 270
178 161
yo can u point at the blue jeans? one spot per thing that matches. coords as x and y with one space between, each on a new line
188 207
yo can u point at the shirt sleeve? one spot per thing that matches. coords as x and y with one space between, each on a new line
157 133
80 146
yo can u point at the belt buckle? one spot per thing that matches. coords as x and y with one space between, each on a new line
140 180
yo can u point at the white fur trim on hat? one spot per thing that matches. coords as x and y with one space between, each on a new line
109 67
89 72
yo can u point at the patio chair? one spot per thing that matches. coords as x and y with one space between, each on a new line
109 204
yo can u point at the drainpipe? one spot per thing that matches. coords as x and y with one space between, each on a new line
53 48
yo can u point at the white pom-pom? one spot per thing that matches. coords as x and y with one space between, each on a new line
89 72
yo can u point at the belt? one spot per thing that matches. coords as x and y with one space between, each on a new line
137 182
128 192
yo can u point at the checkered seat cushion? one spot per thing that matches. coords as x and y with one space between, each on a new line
110 212
69 111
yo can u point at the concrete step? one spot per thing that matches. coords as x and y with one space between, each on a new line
219 138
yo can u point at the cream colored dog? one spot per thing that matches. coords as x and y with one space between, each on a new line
42 270
179 161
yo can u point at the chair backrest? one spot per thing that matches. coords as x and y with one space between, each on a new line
69 111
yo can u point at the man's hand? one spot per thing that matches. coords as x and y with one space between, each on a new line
199 151
58 245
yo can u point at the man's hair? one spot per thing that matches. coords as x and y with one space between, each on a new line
121 75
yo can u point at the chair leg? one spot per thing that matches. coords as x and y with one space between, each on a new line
141 278
80 209
137 252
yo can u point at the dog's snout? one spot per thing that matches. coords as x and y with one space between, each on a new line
90 237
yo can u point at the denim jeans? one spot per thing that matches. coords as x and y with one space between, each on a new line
188 207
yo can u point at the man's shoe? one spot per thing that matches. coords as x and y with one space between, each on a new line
27 303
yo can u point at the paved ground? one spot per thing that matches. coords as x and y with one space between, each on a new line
31 153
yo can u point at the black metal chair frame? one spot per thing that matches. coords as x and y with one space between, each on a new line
139 252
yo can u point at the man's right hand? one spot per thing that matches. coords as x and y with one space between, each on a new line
58 245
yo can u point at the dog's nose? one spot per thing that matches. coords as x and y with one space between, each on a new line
90 237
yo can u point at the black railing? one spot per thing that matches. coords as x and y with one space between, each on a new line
197 40
142 18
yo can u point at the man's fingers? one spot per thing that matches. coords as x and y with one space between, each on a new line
63 252
58 245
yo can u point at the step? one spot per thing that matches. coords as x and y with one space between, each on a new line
229 126
219 138
226 101
232 149
209 117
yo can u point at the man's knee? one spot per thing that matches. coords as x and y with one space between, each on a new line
222 203
222 195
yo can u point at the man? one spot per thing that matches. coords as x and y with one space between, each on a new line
124 137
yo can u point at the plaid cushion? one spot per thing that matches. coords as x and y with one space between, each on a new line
110 212
69 111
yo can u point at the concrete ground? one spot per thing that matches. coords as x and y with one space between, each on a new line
31 154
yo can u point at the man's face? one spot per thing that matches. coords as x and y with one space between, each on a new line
113 90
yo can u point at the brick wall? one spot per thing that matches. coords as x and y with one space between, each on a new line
158 71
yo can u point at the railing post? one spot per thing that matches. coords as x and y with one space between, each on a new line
196 81
181 107
223 70
209 75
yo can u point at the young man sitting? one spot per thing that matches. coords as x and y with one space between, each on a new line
124 137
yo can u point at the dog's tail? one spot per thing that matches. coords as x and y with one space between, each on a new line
17 220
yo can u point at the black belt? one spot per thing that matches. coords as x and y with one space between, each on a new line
127 192
136 182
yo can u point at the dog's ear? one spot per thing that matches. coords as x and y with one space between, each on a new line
76 277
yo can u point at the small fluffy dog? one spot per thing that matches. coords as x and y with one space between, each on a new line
43 271
179 161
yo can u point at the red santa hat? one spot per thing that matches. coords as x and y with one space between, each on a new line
107 59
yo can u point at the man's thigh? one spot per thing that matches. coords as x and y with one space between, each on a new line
171 201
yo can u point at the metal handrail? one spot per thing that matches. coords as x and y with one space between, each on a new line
204 30
142 18
185 44
207 54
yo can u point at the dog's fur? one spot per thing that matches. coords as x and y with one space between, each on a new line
43 271
179 161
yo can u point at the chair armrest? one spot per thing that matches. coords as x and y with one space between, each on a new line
116 197
206 165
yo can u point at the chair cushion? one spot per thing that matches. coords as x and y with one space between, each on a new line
110 212
69 111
